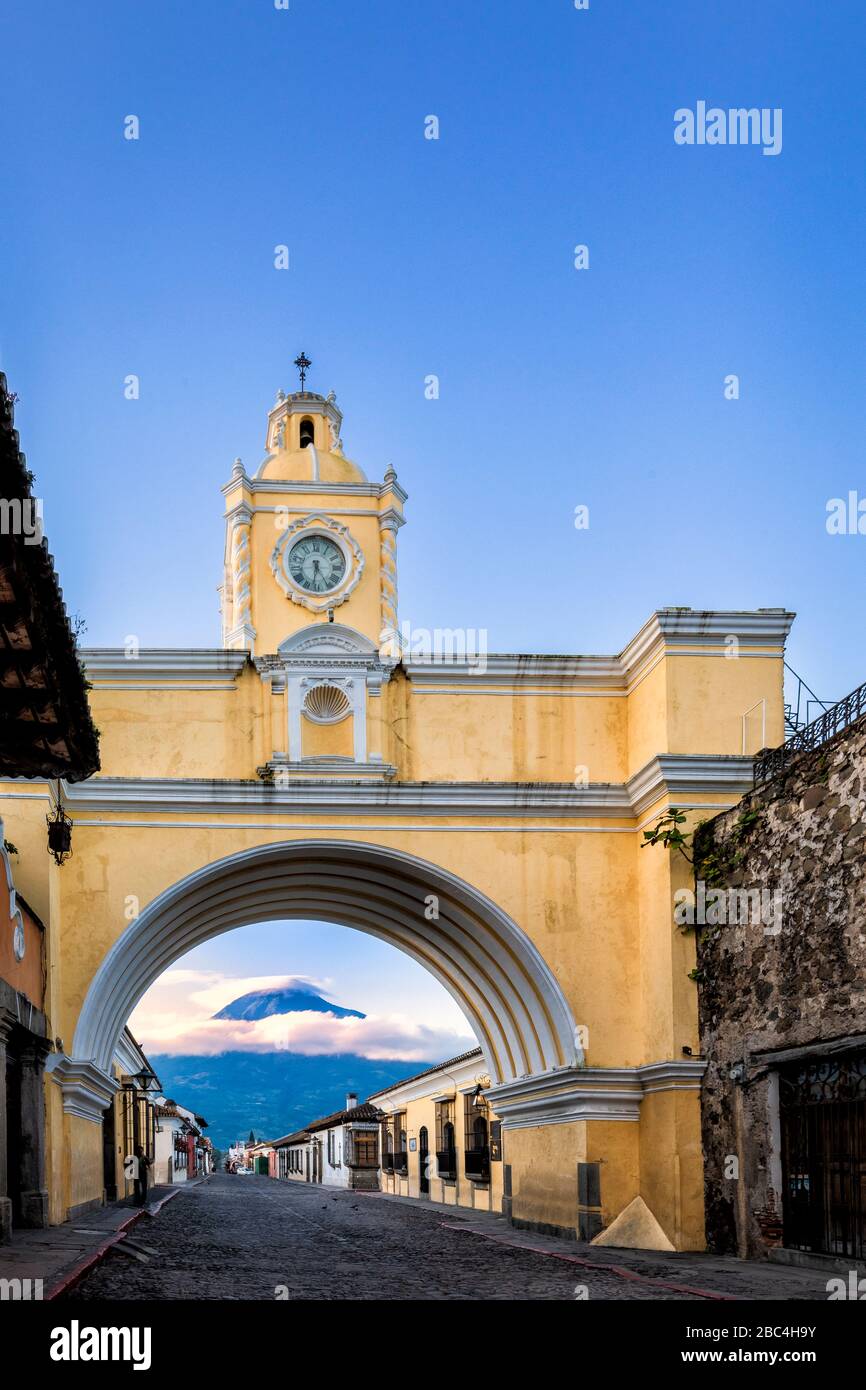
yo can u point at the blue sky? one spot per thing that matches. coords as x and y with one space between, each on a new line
409 257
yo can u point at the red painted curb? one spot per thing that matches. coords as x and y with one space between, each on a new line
72 1276
599 1268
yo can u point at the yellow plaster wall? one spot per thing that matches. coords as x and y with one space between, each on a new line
428 736
695 704
683 705
648 717
24 806
83 1162
183 733
671 1170
56 1163
615 1146
709 694
544 1172
509 736
327 740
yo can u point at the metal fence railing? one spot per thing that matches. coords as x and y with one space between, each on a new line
838 717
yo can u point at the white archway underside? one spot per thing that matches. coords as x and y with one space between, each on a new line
508 994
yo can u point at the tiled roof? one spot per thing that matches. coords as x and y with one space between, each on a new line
296 1138
431 1071
343 1117
46 729
171 1112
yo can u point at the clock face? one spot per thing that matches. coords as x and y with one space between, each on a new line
316 564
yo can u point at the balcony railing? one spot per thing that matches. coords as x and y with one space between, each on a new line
477 1164
838 717
446 1162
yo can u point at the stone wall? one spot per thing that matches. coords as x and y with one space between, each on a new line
795 980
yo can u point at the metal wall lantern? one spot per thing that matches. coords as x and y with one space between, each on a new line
145 1081
479 1099
59 833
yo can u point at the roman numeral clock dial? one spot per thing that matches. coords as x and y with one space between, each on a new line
316 564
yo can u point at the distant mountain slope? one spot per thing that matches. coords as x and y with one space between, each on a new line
264 1003
273 1093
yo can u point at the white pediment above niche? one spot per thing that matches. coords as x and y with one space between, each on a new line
322 640
332 657
331 654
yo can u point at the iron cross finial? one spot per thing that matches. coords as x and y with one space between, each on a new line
302 363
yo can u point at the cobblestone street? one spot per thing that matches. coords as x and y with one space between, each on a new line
244 1237
247 1237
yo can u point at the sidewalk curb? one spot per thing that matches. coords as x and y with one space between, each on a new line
619 1270
72 1276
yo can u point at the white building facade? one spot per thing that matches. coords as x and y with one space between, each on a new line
340 1150
181 1151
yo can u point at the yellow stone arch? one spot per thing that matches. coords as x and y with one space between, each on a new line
331 760
486 962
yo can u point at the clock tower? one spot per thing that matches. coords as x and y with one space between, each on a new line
310 583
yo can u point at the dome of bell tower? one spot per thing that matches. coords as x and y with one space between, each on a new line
303 441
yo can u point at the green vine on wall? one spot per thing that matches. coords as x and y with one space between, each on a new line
711 864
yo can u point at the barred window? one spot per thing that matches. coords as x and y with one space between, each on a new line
476 1132
446 1138
396 1135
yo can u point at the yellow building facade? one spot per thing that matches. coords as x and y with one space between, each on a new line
441 1139
481 812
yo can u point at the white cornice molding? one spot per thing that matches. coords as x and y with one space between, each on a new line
690 627
512 668
326 794
87 1091
367 788
262 485
370 771
679 632
684 1074
173 665
682 777
673 632
589 1093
